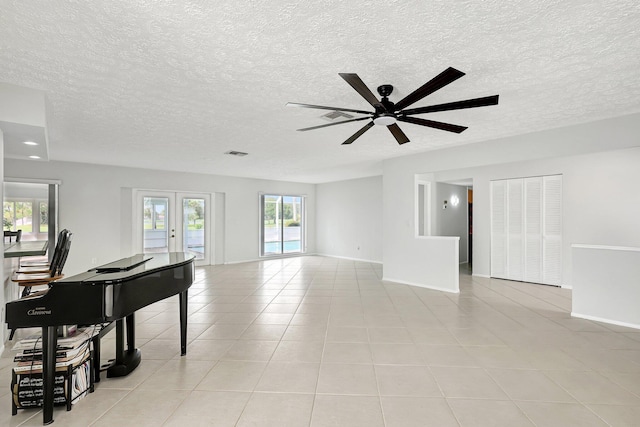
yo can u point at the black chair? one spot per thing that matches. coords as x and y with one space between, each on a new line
11 235
45 266
27 280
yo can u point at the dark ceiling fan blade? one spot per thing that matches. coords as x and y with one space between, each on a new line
458 105
322 107
361 88
358 134
430 123
336 123
438 82
398 134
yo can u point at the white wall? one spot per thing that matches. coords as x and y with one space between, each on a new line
5 285
600 203
95 201
349 219
26 191
453 220
605 286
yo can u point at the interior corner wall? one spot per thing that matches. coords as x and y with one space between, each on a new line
95 204
453 220
349 219
599 163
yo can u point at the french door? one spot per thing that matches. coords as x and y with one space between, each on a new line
173 222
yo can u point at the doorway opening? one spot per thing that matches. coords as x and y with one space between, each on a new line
454 214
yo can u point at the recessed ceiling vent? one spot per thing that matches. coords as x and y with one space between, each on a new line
236 153
336 115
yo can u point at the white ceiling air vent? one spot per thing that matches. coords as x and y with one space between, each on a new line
336 115
236 153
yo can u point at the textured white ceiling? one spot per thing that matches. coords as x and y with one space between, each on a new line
173 85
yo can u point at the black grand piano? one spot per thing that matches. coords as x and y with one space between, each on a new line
112 292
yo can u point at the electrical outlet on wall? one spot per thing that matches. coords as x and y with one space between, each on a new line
94 261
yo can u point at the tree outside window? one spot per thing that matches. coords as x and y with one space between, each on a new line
18 216
44 217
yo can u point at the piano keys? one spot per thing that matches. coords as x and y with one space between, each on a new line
105 294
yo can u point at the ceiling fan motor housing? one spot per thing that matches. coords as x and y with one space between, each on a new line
385 90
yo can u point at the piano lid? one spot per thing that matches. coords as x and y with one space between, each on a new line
134 266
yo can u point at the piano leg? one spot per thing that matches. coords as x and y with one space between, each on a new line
131 332
49 345
129 359
96 358
183 323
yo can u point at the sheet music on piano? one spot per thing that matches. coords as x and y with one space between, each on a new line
125 264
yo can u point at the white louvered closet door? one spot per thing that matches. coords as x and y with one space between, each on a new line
533 230
499 229
526 229
515 221
552 230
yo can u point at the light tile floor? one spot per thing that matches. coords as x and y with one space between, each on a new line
315 341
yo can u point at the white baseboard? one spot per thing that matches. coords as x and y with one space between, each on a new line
485 276
600 319
241 262
284 256
350 258
420 285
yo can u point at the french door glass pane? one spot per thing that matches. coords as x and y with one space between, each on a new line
156 220
193 227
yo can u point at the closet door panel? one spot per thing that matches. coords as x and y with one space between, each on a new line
498 229
552 230
515 227
533 230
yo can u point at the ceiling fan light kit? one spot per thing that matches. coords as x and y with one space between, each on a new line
386 113
385 119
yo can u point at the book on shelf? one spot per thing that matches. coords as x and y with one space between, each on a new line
70 385
35 366
30 355
33 343
72 351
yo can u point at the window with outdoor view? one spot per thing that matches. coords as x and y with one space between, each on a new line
281 224
43 223
18 215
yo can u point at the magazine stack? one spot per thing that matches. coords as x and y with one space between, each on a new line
73 377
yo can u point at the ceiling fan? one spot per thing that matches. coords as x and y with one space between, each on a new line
386 113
